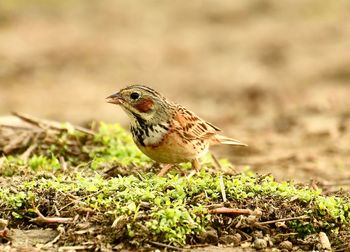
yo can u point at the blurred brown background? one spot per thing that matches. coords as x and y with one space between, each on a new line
274 74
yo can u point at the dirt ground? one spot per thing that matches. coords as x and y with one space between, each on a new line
273 74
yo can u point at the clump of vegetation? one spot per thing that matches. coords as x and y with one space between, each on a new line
67 182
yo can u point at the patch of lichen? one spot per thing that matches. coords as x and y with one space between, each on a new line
141 206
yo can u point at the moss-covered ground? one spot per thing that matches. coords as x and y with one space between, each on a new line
99 192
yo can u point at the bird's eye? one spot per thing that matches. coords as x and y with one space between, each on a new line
134 95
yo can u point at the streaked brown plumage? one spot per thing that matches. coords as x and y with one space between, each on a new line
165 131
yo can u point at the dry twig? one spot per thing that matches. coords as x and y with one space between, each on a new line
42 219
74 248
226 210
159 244
25 155
216 162
44 124
50 243
285 219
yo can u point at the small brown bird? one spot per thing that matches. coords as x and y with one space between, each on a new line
165 131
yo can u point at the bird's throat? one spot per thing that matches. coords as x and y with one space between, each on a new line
149 134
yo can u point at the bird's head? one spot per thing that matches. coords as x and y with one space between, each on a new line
140 101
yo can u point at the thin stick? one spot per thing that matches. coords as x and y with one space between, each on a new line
222 186
42 219
85 130
25 155
216 162
164 245
29 119
77 199
285 219
50 243
288 234
226 210
16 127
63 163
74 248
51 124
15 142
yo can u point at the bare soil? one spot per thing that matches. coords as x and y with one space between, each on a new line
274 75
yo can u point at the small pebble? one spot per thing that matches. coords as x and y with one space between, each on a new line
245 244
209 236
231 239
326 245
251 219
260 243
3 223
287 245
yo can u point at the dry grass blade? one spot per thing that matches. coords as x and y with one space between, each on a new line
16 143
222 186
16 127
159 244
42 219
25 155
74 248
50 243
285 219
29 136
216 162
44 124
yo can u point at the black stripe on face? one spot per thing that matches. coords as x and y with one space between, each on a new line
143 130
138 135
142 122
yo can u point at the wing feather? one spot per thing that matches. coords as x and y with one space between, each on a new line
192 126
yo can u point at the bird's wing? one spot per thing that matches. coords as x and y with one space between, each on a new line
192 126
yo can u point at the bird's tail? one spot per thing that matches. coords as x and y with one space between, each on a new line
226 140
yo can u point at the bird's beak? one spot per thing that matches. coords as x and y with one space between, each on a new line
114 99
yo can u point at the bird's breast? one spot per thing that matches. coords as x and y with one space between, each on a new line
168 145
146 135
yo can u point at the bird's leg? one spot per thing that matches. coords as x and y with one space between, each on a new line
196 165
196 168
165 170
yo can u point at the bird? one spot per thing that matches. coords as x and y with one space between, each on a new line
165 131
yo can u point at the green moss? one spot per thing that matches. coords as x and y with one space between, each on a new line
171 209
172 213
115 145
110 146
43 163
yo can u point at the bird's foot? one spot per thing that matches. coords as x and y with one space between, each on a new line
165 170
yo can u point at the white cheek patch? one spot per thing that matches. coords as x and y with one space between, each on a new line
155 136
